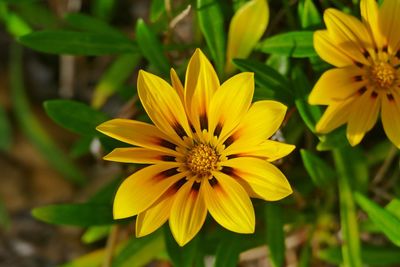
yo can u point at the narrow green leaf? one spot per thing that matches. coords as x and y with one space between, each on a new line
140 251
211 22
114 78
75 116
275 234
180 256
78 43
95 233
228 250
75 214
267 79
32 128
5 131
157 8
14 23
4 219
348 217
308 14
294 44
92 259
394 207
36 14
333 140
385 220
371 256
91 24
151 47
320 172
103 9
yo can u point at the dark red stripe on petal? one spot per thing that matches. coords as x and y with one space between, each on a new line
358 78
385 48
390 97
168 173
374 94
362 90
227 170
203 121
179 184
213 182
233 156
179 130
358 64
218 129
366 54
166 144
229 141
167 158
196 186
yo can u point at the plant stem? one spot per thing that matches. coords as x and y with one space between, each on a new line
110 247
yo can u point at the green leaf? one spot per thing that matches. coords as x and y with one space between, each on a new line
92 24
228 250
78 43
5 131
95 233
268 79
180 256
75 214
294 44
14 23
157 8
36 14
308 14
275 234
385 220
75 116
103 9
140 251
114 78
348 217
320 172
333 140
211 22
32 128
394 207
4 219
151 47
371 256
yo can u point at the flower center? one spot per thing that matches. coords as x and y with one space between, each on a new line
382 75
202 159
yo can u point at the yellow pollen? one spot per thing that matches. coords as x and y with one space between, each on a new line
383 75
201 160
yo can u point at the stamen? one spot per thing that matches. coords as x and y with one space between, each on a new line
382 75
202 159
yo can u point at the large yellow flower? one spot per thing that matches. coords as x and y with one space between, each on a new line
208 151
366 81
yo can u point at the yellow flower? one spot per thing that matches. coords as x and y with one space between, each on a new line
366 81
208 151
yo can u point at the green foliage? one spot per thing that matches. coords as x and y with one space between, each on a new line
180 256
5 131
320 172
78 43
294 44
275 234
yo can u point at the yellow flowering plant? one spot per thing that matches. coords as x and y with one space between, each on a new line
198 136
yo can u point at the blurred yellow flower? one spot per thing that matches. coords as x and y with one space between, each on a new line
208 151
366 81
245 30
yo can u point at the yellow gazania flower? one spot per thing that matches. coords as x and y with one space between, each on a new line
208 151
366 81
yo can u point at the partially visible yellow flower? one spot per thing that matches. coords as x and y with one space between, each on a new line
208 151
245 30
366 81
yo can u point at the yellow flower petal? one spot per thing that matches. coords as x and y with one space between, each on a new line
177 84
137 133
268 150
263 178
370 16
188 213
140 155
330 52
230 103
336 85
229 204
163 105
349 33
389 21
140 190
391 118
262 120
363 116
245 30
154 217
200 84
334 116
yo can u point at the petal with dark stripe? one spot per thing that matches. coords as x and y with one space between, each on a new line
140 155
